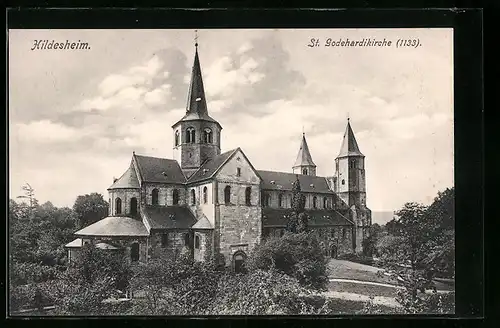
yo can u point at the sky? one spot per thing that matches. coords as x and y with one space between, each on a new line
76 116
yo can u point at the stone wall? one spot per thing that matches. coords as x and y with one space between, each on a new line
238 225
165 193
126 244
176 241
201 208
204 252
125 195
287 199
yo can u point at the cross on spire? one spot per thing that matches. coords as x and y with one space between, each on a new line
196 38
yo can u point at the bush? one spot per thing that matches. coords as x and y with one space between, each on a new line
297 255
22 273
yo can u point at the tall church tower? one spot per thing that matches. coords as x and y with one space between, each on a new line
304 163
196 135
350 171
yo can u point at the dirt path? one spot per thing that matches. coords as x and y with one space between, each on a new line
379 300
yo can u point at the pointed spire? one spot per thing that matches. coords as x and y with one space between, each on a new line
304 157
349 145
197 103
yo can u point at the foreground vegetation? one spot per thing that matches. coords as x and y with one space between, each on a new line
285 275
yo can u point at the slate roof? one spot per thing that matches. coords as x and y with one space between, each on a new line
159 170
284 181
127 180
274 217
349 144
304 157
203 224
115 226
208 169
168 217
77 243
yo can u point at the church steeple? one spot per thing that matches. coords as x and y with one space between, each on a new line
304 163
349 145
196 135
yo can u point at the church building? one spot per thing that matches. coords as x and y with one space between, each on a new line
216 204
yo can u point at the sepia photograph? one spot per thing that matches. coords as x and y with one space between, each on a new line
231 172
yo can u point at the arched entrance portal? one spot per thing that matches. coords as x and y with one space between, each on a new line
239 261
333 252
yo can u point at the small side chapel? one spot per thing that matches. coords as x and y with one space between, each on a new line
215 204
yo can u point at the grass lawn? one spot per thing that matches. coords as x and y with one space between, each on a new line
368 290
350 270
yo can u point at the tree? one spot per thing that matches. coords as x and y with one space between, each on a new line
370 243
296 255
298 221
90 208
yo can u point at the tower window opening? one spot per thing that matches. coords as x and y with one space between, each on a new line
227 194
238 172
207 136
353 164
248 196
177 141
193 197
304 171
325 202
190 135
315 205
280 200
205 195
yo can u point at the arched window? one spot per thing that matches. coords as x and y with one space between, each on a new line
343 182
197 242
265 199
343 232
134 252
325 202
207 136
205 195
133 206
154 196
353 164
118 206
304 171
190 135
227 194
239 261
175 197
186 239
280 200
248 196
193 197
177 141
315 205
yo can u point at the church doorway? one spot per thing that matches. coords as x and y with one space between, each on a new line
333 252
239 261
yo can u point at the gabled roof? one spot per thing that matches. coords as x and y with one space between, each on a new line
304 157
283 181
203 224
160 170
115 226
168 217
349 145
275 217
211 166
196 108
77 243
127 180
